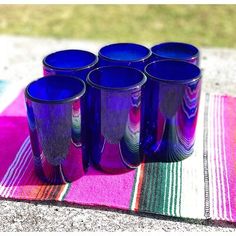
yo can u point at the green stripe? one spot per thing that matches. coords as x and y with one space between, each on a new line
154 188
147 186
143 198
149 195
168 189
160 187
160 179
165 189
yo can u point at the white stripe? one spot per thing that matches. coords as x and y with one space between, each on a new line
225 167
179 184
13 165
169 198
15 162
136 188
63 192
192 191
173 190
14 173
218 197
218 184
222 183
211 156
214 156
26 169
32 176
17 172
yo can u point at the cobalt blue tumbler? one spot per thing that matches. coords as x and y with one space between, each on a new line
170 110
115 116
57 127
70 62
124 54
176 51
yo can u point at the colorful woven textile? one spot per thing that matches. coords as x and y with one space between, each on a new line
202 186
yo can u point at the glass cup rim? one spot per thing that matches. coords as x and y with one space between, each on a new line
189 81
124 43
131 87
72 68
177 43
60 101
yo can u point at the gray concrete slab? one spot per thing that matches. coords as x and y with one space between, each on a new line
20 60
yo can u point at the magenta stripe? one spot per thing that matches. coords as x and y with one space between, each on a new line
230 149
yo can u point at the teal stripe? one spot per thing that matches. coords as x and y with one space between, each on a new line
160 187
155 184
167 189
151 183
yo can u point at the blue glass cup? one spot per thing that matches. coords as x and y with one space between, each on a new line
56 127
115 116
176 51
170 110
124 54
70 62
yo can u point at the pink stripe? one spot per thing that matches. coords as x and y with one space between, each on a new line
221 183
11 139
109 190
230 148
221 160
225 173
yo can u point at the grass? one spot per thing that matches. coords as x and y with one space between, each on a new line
203 25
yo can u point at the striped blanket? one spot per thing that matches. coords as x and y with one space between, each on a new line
203 186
